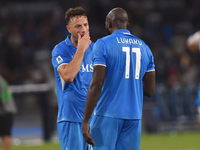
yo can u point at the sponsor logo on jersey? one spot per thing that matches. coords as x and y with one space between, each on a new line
87 68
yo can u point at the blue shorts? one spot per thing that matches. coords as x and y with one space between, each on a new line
115 134
70 136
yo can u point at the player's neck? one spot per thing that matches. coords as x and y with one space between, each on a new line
74 42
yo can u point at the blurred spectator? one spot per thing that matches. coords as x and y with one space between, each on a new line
7 110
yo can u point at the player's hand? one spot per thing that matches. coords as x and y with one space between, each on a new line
84 41
86 133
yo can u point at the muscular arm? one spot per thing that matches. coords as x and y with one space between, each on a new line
93 94
94 90
68 72
149 83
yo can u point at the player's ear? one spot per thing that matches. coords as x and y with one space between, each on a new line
127 23
109 25
68 28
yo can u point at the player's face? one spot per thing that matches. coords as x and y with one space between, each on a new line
78 24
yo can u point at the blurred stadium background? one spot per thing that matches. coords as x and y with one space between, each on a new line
30 29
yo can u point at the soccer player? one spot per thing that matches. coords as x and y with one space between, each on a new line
7 111
197 104
193 43
123 72
72 62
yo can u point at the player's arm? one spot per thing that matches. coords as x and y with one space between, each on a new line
93 94
69 71
193 41
149 83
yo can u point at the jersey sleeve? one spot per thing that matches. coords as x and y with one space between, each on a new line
59 58
151 66
99 53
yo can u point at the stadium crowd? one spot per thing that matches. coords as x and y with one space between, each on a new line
29 31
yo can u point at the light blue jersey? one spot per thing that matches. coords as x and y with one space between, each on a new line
127 59
71 96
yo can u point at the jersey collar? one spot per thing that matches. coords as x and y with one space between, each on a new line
122 31
68 42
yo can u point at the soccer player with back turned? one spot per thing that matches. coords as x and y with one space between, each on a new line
72 62
123 72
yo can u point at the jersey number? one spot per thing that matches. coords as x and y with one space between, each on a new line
138 61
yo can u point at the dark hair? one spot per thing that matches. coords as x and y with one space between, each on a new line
72 12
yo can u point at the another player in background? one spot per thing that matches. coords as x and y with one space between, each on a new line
7 110
124 71
193 43
72 62
197 103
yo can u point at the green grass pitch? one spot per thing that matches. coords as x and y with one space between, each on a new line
171 141
168 141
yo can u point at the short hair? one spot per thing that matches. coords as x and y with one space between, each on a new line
72 12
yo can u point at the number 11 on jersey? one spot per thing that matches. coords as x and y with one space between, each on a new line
138 61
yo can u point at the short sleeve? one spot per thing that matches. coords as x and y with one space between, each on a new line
151 66
99 53
59 58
